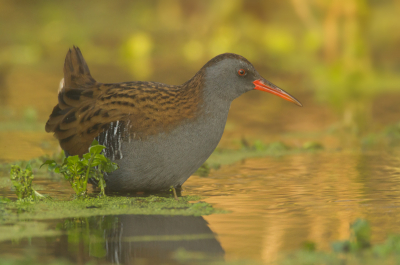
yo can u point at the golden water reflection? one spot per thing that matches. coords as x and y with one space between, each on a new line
277 204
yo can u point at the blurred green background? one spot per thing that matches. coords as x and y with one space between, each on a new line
340 58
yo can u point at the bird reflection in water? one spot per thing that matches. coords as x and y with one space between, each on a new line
126 239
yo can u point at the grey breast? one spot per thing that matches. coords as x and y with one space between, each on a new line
168 159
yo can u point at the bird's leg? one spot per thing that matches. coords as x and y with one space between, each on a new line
174 191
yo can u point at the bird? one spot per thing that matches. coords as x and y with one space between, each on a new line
158 134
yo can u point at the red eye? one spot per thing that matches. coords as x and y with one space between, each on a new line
241 72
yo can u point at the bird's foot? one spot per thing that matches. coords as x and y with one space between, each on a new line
174 192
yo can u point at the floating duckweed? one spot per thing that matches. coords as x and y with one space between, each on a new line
151 205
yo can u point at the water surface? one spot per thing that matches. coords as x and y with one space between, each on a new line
275 204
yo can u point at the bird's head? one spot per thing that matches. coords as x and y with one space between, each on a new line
230 75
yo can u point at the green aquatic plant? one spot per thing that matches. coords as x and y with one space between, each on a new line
271 148
90 230
203 171
313 146
276 147
358 249
4 200
22 182
34 162
360 239
78 170
109 205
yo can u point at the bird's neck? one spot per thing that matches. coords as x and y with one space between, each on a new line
209 101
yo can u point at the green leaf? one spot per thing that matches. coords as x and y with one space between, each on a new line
96 149
29 167
78 170
95 162
101 158
4 200
362 232
110 167
22 182
73 159
51 164
65 161
341 246
87 156
48 162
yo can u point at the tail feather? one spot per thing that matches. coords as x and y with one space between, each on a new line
76 71
76 91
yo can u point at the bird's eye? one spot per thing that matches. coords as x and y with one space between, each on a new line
241 72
